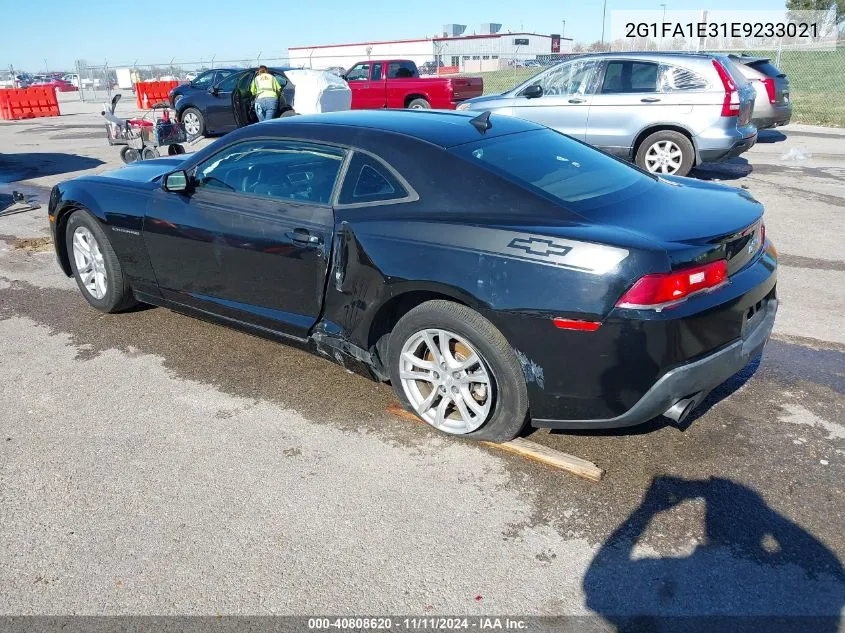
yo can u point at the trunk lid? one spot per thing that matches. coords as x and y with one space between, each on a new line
696 221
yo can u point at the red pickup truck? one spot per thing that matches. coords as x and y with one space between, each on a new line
396 83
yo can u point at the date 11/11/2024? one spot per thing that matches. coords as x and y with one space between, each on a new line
801 30
432 623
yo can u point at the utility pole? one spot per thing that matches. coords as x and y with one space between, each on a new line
662 20
563 28
603 20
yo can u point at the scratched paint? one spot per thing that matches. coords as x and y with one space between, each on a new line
532 371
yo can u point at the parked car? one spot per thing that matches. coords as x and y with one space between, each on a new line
340 71
667 112
491 269
53 82
396 83
772 106
430 68
201 83
225 105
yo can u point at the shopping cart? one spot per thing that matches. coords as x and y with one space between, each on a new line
142 138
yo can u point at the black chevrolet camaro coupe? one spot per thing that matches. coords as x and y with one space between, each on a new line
493 270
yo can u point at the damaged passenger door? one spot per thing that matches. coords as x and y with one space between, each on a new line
249 238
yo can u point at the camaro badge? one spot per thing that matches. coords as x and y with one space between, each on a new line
538 246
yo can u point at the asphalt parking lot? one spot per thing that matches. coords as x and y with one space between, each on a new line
151 463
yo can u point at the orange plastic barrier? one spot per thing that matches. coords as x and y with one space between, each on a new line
28 103
448 70
149 93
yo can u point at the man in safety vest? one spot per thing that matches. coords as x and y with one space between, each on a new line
266 89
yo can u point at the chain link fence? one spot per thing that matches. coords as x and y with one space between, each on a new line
816 77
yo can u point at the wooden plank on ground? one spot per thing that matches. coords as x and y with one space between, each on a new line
529 449
551 457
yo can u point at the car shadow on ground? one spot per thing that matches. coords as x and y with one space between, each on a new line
770 136
753 569
732 169
23 166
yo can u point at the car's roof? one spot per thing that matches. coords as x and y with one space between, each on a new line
644 55
440 127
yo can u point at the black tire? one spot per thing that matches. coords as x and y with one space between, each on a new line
118 296
419 104
670 136
509 409
175 150
191 112
149 153
129 155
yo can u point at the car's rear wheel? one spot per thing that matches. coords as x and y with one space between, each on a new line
457 372
419 104
95 266
666 153
193 121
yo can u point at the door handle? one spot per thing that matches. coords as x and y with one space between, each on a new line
649 99
304 238
576 101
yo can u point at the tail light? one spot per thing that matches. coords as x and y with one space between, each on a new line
664 290
730 106
770 88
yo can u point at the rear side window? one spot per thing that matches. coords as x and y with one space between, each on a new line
368 180
629 76
557 167
674 78
401 70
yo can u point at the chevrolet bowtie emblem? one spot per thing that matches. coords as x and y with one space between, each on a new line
538 246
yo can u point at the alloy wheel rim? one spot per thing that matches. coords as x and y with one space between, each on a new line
446 381
89 263
664 157
191 123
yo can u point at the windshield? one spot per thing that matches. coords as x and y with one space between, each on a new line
558 167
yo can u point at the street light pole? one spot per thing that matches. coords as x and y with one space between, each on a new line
603 20
563 29
663 19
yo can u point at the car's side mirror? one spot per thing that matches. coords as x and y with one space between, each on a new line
533 91
176 181
212 90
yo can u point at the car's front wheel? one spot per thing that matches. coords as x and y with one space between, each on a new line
193 122
457 372
666 152
95 266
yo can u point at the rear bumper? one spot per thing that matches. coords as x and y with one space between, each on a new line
714 155
696 378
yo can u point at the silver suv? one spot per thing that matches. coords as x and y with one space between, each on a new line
665 111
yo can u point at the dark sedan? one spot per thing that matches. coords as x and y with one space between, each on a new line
225 105
493 270
201 83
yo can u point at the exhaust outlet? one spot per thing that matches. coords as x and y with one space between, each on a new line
682 408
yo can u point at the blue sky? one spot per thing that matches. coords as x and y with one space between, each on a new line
154 32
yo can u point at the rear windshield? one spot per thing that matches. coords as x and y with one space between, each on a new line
766 67
558 167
